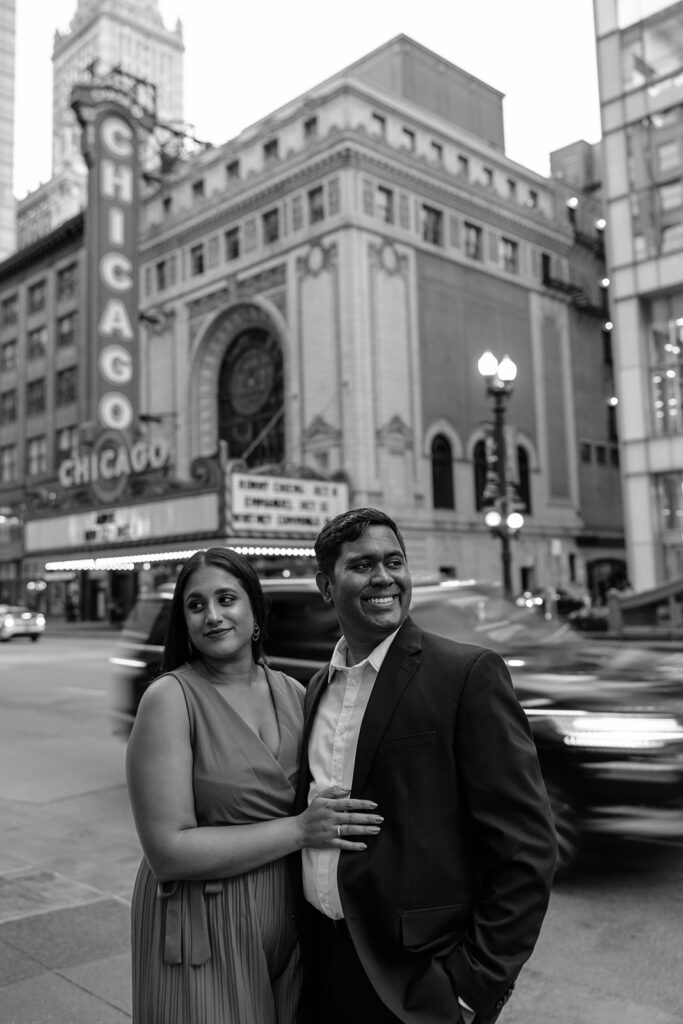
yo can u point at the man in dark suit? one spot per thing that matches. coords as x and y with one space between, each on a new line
430 920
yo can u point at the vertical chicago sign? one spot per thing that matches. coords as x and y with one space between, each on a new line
112 119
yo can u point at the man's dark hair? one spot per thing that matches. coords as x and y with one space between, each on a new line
349 526
177 646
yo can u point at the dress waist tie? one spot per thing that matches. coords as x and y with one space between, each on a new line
172 894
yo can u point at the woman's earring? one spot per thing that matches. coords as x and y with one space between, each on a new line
190 648
257 633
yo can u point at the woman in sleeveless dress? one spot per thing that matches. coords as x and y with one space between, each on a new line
211 766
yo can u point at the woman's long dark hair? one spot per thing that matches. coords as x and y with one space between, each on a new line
177 646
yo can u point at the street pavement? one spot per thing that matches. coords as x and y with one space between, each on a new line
64 944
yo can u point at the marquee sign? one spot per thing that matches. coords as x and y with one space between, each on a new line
272 504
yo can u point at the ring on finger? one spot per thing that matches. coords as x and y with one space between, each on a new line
339 831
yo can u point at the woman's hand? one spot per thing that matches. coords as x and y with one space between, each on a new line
333 818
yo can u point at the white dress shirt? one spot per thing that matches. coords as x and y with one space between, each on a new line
332 755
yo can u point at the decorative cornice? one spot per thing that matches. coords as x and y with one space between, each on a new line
395 435
319 431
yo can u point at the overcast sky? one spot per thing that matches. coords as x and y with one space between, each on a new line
243 60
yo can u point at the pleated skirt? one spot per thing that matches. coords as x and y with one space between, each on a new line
252 974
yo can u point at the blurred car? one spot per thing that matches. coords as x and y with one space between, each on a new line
590 620
607 720
17 620
561 601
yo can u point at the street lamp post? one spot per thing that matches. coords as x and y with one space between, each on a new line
502 518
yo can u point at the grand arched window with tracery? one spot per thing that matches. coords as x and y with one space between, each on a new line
251 398
442 473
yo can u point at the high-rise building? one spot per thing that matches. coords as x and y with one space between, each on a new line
640 64
7 205
103 34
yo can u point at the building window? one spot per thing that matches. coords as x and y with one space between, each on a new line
379 125
66 282
432 225
66 330
512 188
37 343
311 127
66 443
473 241
672 237
197 259
232 170
585 451
270 150
487 177
600 454
8 356
271 226
67 386
8 406
614 457
509 252
408 136
36 456
385 204
36 297
463 166
436 150
316 205
442 473
9 312
160 276
666 374
8 463
198 189
251 396
670 501
35 397
532 199
667 156
671 195
524 479
232 244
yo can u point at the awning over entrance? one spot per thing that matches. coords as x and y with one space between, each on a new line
130 558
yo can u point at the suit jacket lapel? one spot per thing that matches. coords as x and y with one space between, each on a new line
397 669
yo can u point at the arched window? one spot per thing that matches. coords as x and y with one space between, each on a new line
479 474
524 477
251 397
442 473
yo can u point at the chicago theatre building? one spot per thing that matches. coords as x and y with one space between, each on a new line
239 344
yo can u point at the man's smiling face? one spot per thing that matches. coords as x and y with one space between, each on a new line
370 588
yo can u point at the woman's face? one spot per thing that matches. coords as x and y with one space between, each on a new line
218 614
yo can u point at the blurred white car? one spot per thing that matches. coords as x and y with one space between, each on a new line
17 620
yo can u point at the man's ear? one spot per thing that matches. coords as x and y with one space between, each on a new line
324 585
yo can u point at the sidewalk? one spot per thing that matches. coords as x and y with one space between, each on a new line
64 951
66 868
